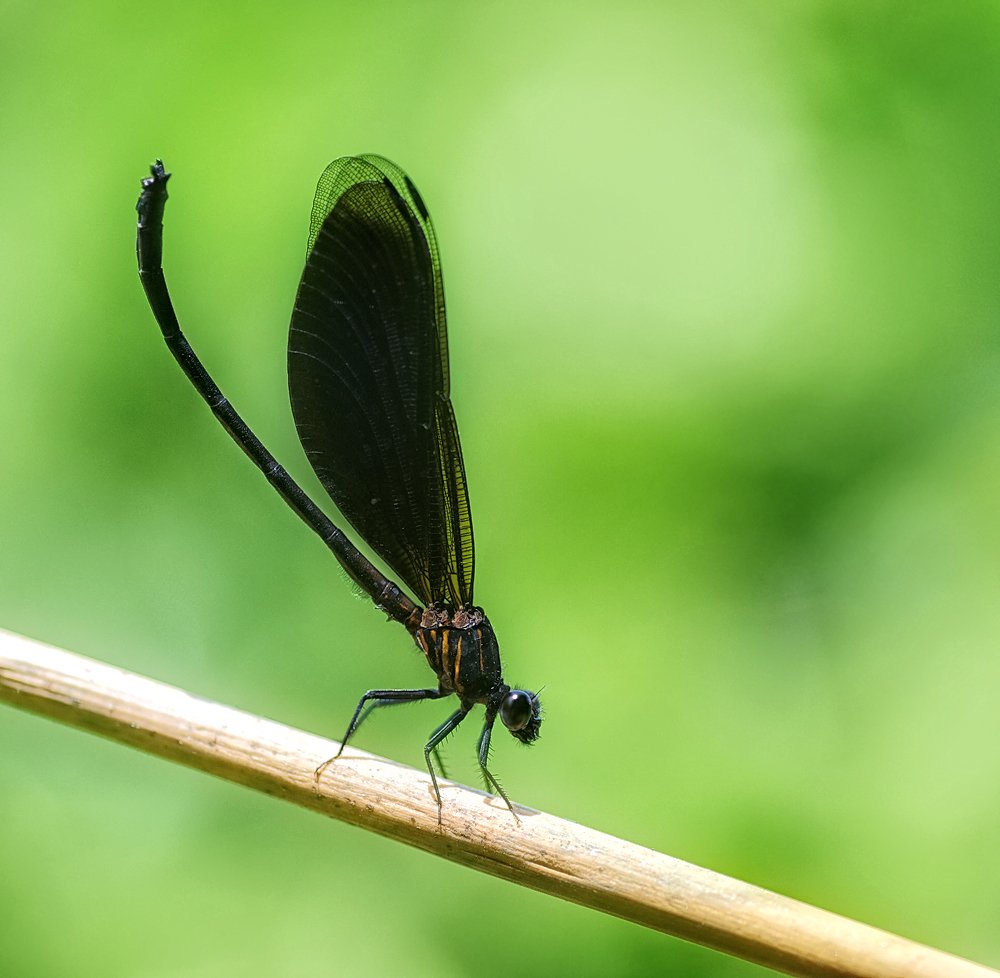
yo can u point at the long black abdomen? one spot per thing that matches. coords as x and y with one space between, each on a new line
465 659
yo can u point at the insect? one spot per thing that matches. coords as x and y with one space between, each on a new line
368 378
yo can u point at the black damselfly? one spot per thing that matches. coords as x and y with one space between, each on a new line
369 385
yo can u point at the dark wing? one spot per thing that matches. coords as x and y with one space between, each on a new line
368 377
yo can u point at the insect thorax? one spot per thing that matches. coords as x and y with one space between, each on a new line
462 649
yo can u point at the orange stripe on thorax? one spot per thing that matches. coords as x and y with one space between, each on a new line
458 659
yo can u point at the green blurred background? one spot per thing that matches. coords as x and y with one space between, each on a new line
726 356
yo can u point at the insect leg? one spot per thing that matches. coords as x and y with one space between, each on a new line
484 756
431 747
376 698
375 704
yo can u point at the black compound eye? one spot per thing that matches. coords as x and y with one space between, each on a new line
517 709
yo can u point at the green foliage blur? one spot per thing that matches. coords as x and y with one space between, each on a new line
725 334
